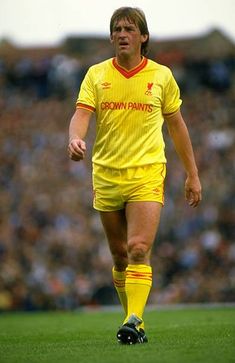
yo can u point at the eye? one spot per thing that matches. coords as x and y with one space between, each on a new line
130 29
117 29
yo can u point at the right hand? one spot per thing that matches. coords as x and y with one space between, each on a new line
76 149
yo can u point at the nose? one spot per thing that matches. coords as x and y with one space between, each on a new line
122 32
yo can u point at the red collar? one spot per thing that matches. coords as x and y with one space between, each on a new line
132 72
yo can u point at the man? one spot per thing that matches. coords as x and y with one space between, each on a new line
131 97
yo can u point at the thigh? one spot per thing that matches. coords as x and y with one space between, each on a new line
142 223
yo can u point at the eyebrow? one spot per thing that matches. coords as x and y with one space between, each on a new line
126 26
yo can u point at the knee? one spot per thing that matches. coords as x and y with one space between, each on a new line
138 250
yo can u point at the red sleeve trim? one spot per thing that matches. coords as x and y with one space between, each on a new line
171 113
86 107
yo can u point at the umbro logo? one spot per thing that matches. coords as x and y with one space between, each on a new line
106 85
156 191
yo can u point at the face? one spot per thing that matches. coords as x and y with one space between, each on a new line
127 39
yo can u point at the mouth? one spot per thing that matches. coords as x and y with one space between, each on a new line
123 44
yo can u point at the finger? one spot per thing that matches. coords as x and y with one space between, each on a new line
79 145
83 145
74 155
76 158
188 195
195 199
74 149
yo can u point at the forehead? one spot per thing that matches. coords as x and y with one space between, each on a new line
124 22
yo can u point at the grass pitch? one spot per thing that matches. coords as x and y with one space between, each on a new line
205 335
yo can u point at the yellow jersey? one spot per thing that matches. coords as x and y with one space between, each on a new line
130 106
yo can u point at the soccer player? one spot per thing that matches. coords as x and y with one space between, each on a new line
131 97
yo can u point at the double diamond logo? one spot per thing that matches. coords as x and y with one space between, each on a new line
106 85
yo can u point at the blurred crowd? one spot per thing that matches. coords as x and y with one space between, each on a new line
53 252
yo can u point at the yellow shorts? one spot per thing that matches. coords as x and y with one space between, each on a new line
113 188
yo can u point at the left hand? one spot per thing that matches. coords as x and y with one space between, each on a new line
193 190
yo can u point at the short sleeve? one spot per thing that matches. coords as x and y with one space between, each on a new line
171 96
86 96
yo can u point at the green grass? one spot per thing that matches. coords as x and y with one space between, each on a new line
176 335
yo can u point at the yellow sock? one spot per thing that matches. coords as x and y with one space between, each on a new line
119 278
138 285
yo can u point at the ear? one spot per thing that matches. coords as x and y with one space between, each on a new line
144 38
111 39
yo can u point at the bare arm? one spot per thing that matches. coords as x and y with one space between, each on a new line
77 131
181 139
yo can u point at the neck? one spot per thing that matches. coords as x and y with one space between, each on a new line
129 62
